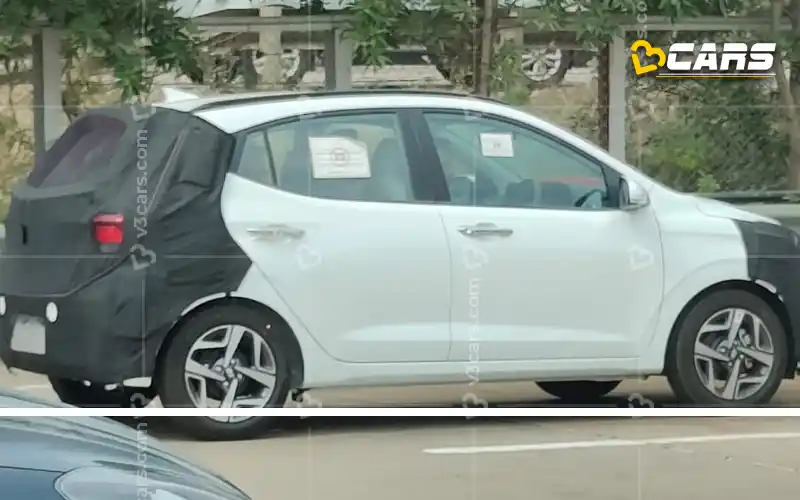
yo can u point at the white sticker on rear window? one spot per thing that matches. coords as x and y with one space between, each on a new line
497 144
339 158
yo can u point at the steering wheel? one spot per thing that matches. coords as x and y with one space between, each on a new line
580 201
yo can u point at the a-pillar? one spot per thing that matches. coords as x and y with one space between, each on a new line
49 119
617 96
338 61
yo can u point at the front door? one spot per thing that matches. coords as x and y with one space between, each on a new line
545 267
326 209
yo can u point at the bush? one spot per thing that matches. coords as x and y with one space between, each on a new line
719 136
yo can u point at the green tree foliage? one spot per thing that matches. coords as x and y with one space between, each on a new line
695 135
131 40
452 31
719 136
713 134
128 38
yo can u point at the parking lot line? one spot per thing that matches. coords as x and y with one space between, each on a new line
608 443
32 387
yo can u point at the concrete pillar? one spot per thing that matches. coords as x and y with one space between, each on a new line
49 119
338 61
269 42
513 35
617 97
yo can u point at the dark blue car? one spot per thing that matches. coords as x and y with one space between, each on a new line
91 458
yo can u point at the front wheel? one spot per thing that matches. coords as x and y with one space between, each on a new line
729 350
579 391
226 357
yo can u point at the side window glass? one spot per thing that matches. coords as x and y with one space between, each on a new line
490 162
358 157
254 161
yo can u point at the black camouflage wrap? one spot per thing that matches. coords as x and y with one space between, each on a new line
115 310
773 255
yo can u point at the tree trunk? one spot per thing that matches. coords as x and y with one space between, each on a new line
793 173
484 66
794 93
789 89
603 77
249 73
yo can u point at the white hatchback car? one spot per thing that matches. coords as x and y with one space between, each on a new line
230 251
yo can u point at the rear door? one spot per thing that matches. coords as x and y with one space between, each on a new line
334 212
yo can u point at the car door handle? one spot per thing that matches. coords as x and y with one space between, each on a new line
485 229
276 231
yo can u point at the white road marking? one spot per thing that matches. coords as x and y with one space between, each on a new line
32 387
608 443
416 412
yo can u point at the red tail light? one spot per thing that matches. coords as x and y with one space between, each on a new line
109 229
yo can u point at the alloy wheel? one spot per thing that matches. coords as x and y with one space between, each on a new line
230 366
734 354
540 64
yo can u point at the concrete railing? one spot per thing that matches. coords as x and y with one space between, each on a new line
788 214
780 205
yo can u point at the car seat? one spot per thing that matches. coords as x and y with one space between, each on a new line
557 194
520 194
389 180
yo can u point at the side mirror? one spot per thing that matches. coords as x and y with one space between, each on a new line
632 195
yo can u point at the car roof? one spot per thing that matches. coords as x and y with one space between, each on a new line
190 105
234 113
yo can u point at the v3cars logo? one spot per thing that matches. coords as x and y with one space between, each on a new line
683 60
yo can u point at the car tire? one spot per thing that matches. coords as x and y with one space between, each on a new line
557 76
687 361
78 393
175 382
579 391
554 79
581 58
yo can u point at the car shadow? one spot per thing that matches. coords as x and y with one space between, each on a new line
169 428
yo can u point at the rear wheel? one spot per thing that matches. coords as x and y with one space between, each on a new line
546 65
579 391
226 357
729 350
542 66
89 395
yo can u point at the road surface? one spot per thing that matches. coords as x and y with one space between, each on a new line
502 459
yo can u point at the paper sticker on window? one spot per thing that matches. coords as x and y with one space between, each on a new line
497 144
339 158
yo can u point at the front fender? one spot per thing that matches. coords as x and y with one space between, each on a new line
678 296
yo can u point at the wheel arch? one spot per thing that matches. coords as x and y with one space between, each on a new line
760 290
295 353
